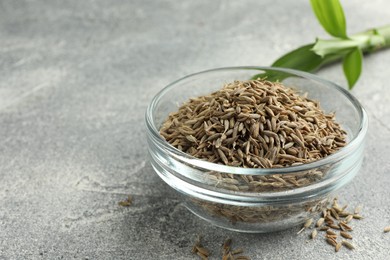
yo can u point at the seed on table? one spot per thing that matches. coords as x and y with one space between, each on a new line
204 257
126 203
337 208
237 251
324 228
357 216
324 213
348 218
306 225
314 234
242 257
344 214
338 246
197 244
331 236
334 213
348 245
334 226
345 235
329 219
203 250
227 244
344 226
387 229
320 222
331 241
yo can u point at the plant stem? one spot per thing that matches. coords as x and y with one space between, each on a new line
373 39
368 41
385 32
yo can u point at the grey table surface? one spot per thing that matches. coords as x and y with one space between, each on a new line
75 80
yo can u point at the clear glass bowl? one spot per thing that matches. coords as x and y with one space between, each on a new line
229 204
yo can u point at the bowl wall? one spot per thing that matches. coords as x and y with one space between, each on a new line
231 205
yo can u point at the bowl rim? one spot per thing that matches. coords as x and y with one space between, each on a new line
209 166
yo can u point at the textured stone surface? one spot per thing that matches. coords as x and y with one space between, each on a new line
75 80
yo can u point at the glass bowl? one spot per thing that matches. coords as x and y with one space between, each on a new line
216 193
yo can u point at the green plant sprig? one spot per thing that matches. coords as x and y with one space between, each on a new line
349 49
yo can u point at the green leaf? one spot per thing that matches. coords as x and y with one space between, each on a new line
352 66
300 59
331 16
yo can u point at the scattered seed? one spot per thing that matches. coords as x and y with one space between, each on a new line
328 223
197 244
127 202
343 214
237 251
344 226
314 234
203 251
227 244
306 225
334 213
345 235
338 246
320 222
344 207
331 241
348 245
324 213
387 229
334 226
242 257
227 254
204 257
337 208
328 218
331 236
357 216
348 218
324 228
